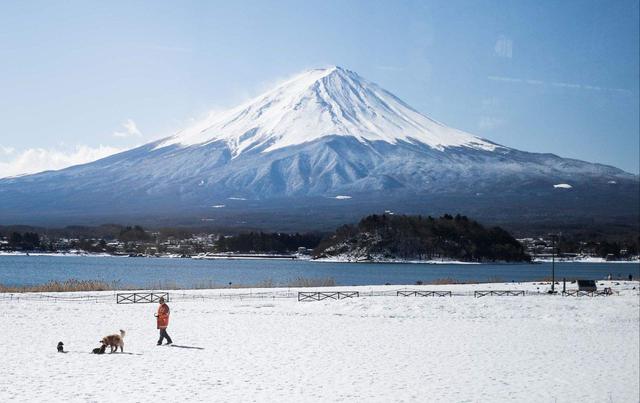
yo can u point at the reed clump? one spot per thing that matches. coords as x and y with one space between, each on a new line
74 285
71 285
312 282
443 281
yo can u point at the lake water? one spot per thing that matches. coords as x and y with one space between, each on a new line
155 272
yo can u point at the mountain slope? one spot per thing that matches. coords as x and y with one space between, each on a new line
321 103
292 150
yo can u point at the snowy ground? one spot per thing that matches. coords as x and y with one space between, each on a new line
587 259
374 348
344 258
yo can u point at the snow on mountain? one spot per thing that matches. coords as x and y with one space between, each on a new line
325 141
320 103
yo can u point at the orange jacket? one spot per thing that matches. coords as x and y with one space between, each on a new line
163 316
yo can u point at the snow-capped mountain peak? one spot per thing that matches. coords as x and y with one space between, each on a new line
319 103
344 147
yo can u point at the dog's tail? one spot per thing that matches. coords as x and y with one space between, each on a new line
122 333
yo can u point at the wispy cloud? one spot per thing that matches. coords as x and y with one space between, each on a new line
34 160
490 103
490 122
503 47
557 84
6 150
131 129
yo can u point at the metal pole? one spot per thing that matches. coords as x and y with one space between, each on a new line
553 264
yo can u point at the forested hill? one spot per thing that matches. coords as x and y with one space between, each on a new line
380 237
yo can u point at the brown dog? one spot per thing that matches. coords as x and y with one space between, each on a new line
114 341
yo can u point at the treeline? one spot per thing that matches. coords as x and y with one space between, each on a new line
32 241
267 242
599 247
106 231
24 241
135 233
422 238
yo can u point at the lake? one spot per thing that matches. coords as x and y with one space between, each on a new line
156 272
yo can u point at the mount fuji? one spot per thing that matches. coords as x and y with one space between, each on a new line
323 147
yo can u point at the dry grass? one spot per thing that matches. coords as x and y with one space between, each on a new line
73 285
449 280
312 282
269 283
70 285
443 281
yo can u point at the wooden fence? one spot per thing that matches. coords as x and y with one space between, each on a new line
319 296
501 293
582 293
416 293
141 297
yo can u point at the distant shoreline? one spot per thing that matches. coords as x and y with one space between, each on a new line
636 260
399 261
265 256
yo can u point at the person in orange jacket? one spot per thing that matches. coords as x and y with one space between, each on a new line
162 319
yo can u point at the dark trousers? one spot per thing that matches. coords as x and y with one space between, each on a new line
164 335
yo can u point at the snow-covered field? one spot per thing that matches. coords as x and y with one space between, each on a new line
267 347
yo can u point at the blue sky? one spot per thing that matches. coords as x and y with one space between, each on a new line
83 79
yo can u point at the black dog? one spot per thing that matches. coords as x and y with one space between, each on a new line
100 350
60 347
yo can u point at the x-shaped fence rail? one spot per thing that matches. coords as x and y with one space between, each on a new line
141 297
501 293
319 296
583 293
421 293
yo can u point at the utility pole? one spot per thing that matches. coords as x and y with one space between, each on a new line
553 263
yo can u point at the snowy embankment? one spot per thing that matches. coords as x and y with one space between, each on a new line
585 259
351 259
263 345
70 253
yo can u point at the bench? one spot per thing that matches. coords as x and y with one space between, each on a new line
499 293
417 293
587 285
140 297
319 296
